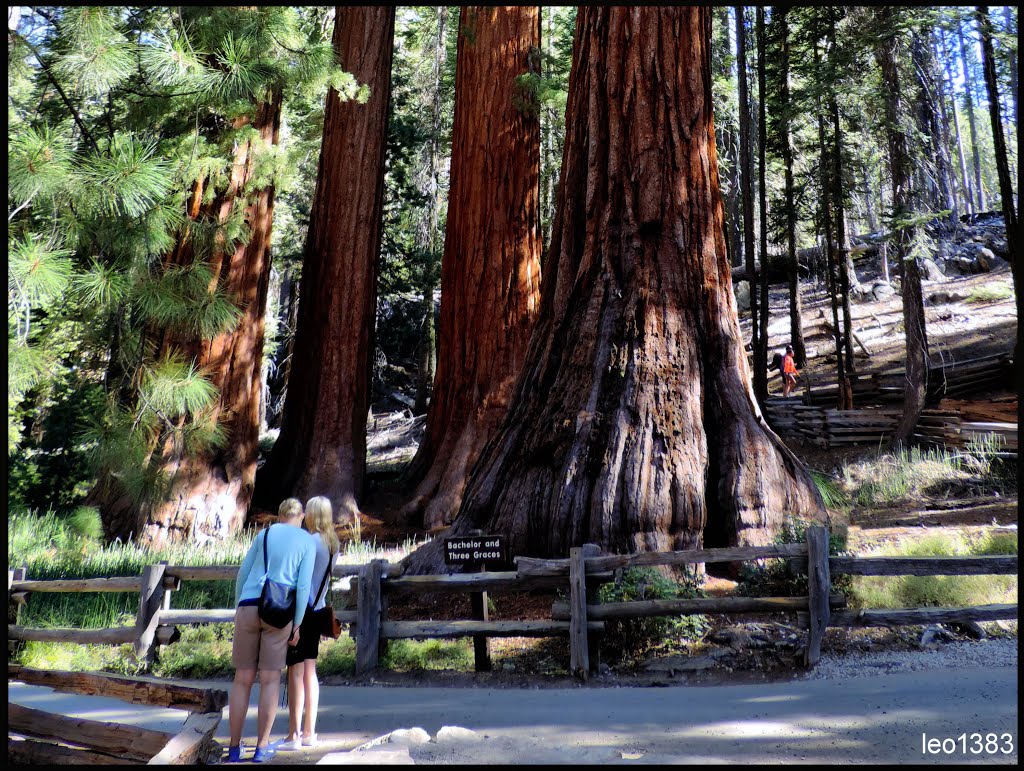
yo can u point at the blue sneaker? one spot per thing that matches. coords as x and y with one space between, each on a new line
264 753
235 754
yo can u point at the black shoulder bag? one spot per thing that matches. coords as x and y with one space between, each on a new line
277 601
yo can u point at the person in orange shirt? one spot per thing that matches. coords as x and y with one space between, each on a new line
789 372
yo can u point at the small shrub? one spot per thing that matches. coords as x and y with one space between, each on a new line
773 577
990 293
634 636
85 522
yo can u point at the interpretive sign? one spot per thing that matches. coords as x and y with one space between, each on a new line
468 550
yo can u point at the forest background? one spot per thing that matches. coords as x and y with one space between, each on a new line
128 125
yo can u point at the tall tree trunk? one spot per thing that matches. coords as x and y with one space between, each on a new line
827 170
965 178
322 446
747 183
847 272
1003 167
979 190
427 231
209 491
490 272
887 52
761 350
634 425
946 137
928 115
1008 17
796 332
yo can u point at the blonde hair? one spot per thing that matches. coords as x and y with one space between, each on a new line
320 519
289 508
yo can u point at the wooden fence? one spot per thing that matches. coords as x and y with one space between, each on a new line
876 425
96 742
581 618
949 379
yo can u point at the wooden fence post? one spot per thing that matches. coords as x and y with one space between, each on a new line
819 586
593 598
478 610
150 599
368 615
579 652
14 607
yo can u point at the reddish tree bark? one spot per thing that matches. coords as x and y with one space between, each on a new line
210 491
633 424
321 449
490 270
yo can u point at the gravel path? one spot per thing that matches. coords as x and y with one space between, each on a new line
991 652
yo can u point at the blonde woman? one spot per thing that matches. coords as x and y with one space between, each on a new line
303 687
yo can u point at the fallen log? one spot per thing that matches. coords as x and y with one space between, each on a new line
119 739
133 690
30 752
191 743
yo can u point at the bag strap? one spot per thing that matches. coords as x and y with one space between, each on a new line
266 535
327 573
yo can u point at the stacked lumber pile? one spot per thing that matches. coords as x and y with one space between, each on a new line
958 378
949 429
866 389
830 427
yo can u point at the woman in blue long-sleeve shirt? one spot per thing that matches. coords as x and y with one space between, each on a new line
289 553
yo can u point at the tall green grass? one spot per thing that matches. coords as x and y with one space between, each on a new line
941 591
53 546
915 473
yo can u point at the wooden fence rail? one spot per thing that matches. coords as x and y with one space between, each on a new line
580 617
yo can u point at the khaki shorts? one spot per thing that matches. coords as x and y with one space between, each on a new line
256 644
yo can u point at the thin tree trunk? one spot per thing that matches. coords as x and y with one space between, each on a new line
887 52
761 350
322 446
979 189
965 178
928 115
869 197
827 170
945 137
847 272
747 170
796 332
427 230
1003 167
1013 55
634 425
490 272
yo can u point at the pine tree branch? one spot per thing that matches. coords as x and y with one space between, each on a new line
63 96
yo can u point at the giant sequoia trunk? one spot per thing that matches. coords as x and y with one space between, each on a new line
633 424
490 271
210 491
915 388
321 449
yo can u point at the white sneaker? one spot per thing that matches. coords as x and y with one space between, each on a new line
310 741
290 745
